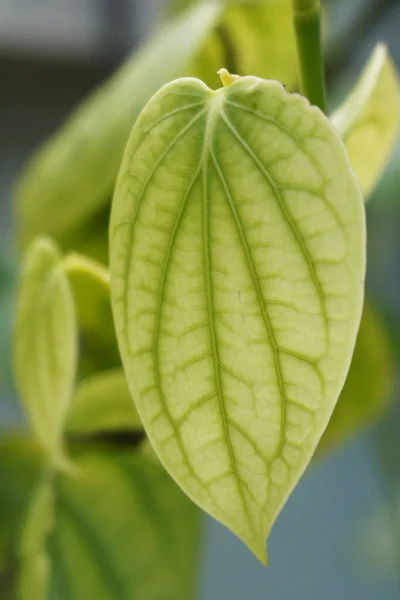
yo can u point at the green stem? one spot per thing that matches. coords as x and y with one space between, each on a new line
307 26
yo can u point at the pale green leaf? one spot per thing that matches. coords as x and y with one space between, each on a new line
103 403
124 531
45 344
237 249
73 175
369 119
369 386
91 290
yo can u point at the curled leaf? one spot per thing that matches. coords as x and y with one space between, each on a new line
369 119
237 249
45 344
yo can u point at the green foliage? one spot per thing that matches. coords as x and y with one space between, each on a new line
250 38
91 290
45 345
72 177
103 403
119 527
237 268
237 257
123 530
369 386
369 119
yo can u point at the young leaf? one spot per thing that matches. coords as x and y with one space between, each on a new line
45 345
103 402
237 248
369 385
73 175
369 119
123 531
91 291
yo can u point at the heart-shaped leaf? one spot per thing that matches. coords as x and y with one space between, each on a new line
237 248
369 119
45 345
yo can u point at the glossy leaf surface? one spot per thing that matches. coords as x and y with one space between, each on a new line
123 530
103 402
237 247
45 345
73 175
369 119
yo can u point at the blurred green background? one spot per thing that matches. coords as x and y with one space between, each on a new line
339 536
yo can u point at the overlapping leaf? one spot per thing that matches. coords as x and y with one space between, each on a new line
237 271
369 119
45 345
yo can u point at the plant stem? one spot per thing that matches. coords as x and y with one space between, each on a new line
307 26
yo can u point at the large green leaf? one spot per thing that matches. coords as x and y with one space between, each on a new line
45 344
103 403
123 531
369 386
73 175
369 119
237 250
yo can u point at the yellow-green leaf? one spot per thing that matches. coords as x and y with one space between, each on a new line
124 531
237 253
369 386
73 175
103 403
45 344
369 119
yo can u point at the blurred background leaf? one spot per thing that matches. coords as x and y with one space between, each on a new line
103 404
369 388
123 530
45 343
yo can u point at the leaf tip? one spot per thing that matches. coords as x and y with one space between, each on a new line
259 549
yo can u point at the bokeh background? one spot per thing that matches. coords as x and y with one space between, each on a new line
339 535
